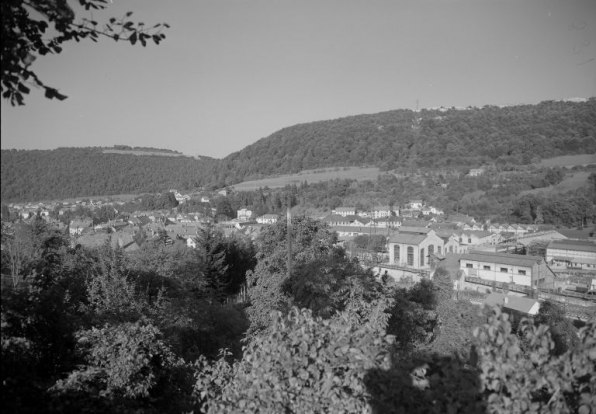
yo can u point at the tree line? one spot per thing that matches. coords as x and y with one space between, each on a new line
402 139
97 330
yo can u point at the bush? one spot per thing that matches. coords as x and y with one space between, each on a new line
304 364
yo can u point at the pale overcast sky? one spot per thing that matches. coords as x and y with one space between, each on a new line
233 71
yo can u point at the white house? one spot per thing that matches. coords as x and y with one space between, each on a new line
268 219
507 268
344 211
516 307
416 204
579 254
244 214
381 211
413 247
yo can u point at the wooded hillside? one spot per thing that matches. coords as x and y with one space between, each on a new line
429 139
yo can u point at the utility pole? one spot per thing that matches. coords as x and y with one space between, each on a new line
289 225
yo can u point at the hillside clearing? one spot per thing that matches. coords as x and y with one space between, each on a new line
572 182
569 160
311 176
135 152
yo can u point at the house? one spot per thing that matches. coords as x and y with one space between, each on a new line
426 211
381 211
204 199
244 214
415 204
507 268
475 172
343 231
408 212
362 222
268 219
390 222
477 237
436 211
335 220
516 307
77 226
461 219
415 223
413 247
473 227
344 211
575 254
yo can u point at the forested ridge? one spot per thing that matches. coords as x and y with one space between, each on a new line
428 139
75 172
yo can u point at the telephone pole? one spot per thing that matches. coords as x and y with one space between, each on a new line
289 225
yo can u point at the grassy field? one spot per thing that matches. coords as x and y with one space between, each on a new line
133 152
569 160
310 176
572 181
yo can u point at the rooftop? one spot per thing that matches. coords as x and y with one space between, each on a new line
577 245
502 258
516 303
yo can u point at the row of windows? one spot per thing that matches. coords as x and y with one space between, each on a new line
410 254
502 269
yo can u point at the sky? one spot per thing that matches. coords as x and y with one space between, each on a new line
231 72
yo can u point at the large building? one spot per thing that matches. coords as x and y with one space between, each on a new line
507 268
575 254
414 247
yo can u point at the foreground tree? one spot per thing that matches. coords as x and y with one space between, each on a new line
24 25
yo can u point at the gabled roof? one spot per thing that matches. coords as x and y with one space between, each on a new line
408 238
502 258
419 230
345 209
270 216
333 218
416 223
516 303
478 233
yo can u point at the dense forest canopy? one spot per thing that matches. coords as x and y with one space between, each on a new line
428 140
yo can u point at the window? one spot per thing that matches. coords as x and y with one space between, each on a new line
439 249
521 272
486 267
410 256
421 257
469 265
504 270
431 250
451 249
469 241
395 254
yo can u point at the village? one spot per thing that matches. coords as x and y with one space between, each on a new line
417 239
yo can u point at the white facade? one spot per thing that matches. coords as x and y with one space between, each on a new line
268 219
572 253
344 211
506 268
244 214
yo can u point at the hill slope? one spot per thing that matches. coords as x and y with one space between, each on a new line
387 140
75 172
429 138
